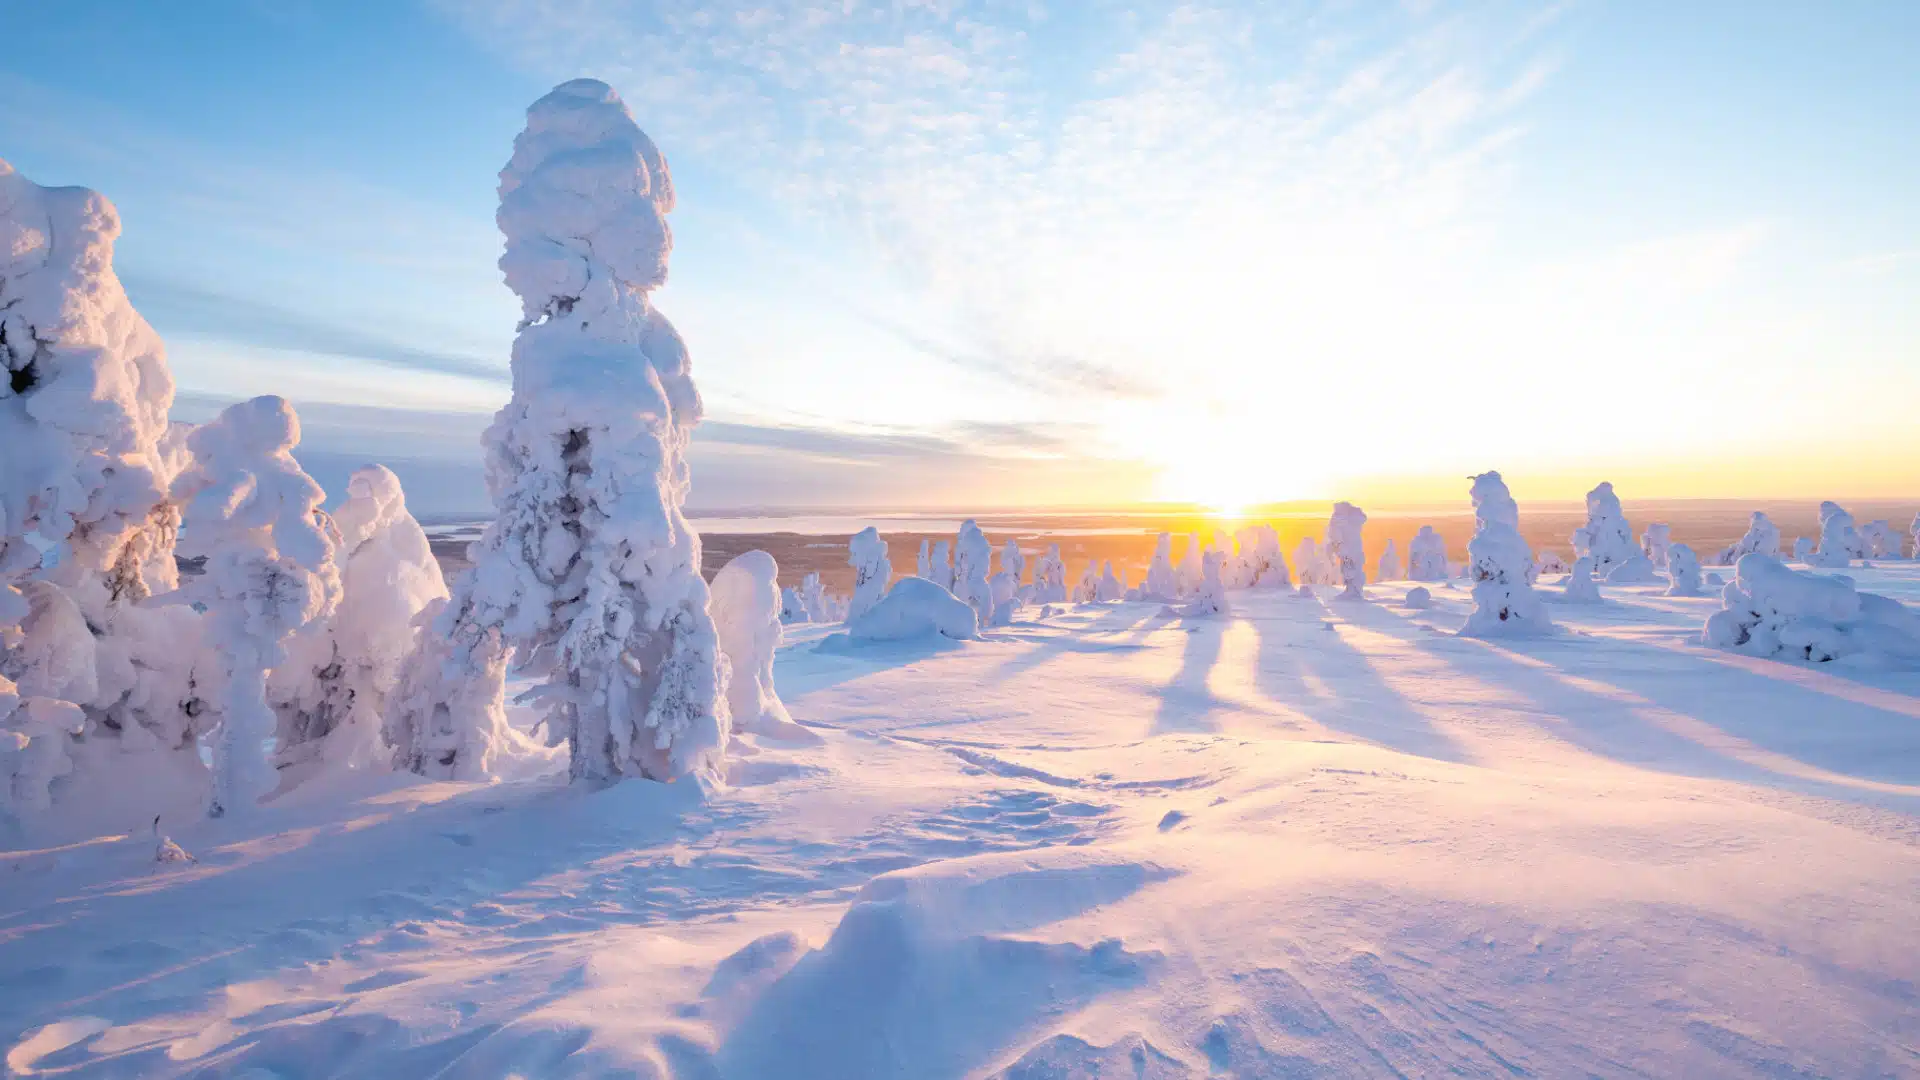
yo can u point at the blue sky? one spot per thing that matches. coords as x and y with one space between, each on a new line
969 254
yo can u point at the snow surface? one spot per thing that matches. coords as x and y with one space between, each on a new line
1303 839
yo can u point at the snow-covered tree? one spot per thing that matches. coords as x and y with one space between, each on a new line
1111 588
1050 577
1580 588
1762 536
746 615
1840 542
1914 531
923 564
792 608
972 558
1549 562
813 598
446 717
1389 567
1088 588
590 569
1501 565
1609 540
1802 550
270 572
1683 571
1427 556
330 693
872 570
1259 562
1211 597
1161 584
1655 542
940 566
1879 540
1191 571
1347 550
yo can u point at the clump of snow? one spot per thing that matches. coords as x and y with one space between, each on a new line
1419 598
1050 577
1772 610
1840 542
1504 602
1762 536
1655 542
1580 587
1427 556
872 570
270 573
746 615
972 559
916 608
1347 549
1683 571
331 691
590 569
1389 566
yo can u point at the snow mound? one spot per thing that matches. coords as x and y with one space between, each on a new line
1772 610
916 608
1580 588
1419 598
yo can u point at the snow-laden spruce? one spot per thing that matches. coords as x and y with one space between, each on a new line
1656 542
1161 584
1609 540
1111 587
746 615
1501 566
923 563
1347 550
1087 589
792 608
1772 610
1311 564
1427 556
330 693
1211 596
1388 569
86 454
1683 571
1190 573
1259 562
1840 542
1762 537
1880 540
590 570
972 560
254 515
1050 577
872 570
940 566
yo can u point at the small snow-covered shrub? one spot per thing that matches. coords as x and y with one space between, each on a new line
1772 610
916 608
1840 542
1762 536
329 695
1501 566
1580 588
1879 541
872 570
1389 567
1347 550
1683 571
746 615
270 573
1427 556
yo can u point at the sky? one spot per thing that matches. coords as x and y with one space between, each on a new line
939 253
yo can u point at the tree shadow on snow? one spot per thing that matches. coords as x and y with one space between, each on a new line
1187 704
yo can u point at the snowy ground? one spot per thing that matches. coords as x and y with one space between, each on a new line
1317 838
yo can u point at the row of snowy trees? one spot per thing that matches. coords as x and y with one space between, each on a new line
304 639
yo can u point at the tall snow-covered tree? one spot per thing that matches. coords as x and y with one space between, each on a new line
1655 542
940 566
1608 538
872 571
972 558
331 692
1110 588
1050 576
1162 583
1347 550
1190 574
254 515
1389 567
746 613
1840 542
590 569
1683 571
1427 556
1501 566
